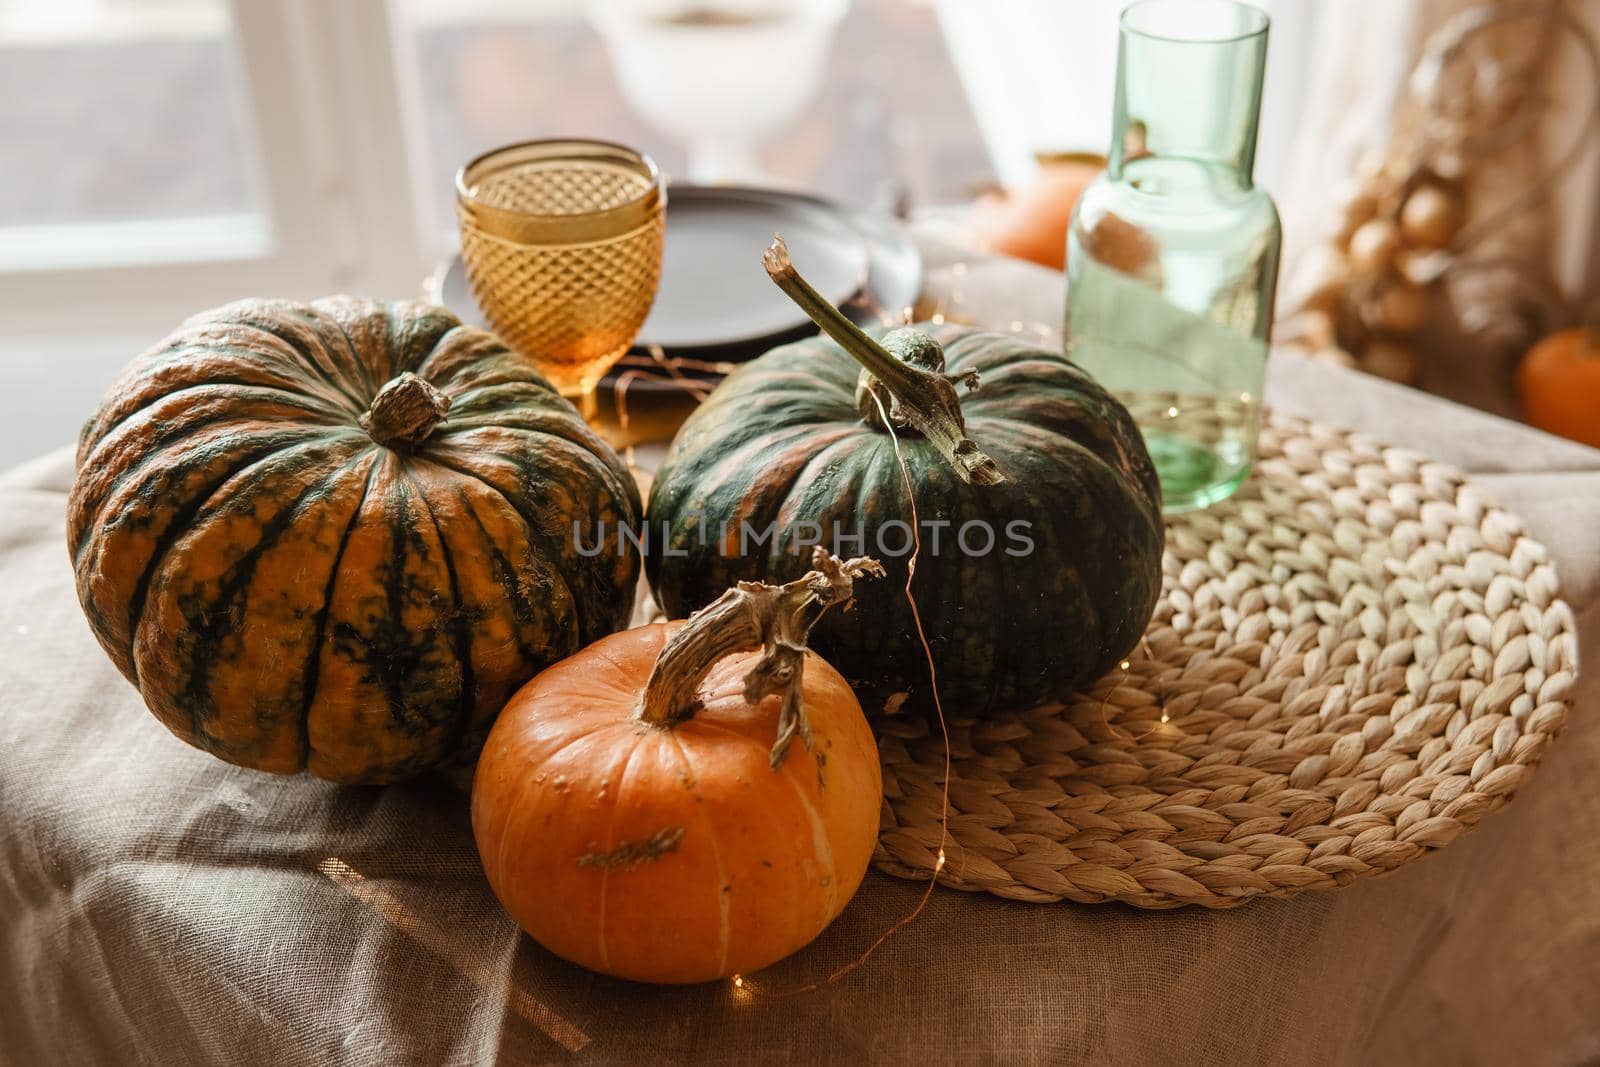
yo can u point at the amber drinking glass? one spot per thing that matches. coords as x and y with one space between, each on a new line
562 245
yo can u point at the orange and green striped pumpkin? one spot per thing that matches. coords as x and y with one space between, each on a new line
337 536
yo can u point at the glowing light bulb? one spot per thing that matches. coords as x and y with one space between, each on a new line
1172 413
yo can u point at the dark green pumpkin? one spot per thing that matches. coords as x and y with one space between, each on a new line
783 442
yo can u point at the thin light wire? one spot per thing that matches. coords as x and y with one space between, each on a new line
741 983
743 988
1124 668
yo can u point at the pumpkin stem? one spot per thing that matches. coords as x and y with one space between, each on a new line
773 618
405 411
908 366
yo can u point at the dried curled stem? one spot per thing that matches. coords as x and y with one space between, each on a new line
405 411
908 366
753 615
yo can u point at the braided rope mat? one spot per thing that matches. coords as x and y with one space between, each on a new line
1354 660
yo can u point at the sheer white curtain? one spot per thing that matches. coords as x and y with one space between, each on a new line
1538 263
1366 51
1040 73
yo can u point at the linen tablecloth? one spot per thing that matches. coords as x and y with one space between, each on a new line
158 906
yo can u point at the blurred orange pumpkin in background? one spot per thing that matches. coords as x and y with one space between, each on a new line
1559 383
1031 222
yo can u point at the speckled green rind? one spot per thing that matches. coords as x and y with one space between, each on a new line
288 594
780 441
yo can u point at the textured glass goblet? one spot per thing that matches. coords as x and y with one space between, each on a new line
562 245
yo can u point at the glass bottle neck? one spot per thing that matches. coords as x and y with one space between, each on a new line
1189 76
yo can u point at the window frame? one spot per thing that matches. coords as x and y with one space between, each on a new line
329 103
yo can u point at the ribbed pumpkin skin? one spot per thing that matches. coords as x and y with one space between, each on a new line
780 441
286 593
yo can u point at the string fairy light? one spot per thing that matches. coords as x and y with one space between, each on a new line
1126 667
740 984
655 366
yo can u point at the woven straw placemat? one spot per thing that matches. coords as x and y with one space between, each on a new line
1354 660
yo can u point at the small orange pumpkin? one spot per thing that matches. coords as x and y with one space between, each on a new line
1031 222
634 815
1559 382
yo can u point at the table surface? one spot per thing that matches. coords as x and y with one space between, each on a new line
159 906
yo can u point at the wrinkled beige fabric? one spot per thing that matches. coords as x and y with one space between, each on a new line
158 906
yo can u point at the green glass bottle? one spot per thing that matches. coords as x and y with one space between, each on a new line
1172 257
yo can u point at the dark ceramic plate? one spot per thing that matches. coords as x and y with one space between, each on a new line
716 303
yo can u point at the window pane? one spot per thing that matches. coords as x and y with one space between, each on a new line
497 71
121 110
